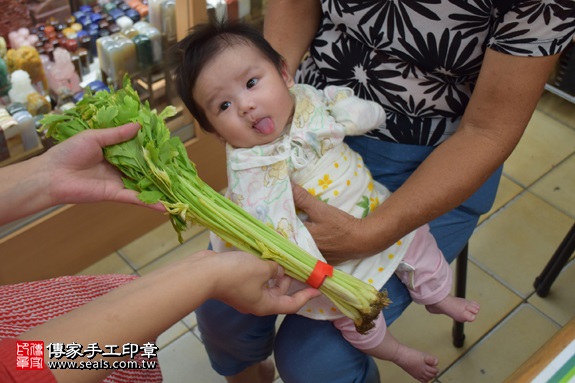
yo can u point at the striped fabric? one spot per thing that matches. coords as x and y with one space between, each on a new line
25 305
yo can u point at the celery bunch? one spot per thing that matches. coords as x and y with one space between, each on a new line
157 166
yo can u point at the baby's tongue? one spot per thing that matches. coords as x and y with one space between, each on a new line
265 125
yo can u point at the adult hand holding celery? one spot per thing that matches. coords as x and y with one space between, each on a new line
158 168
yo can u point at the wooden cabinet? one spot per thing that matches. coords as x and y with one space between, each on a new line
69 238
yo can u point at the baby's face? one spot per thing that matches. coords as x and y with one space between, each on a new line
244 97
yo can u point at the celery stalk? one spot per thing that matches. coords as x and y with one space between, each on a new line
158 167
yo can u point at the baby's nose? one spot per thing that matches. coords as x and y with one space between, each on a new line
247 105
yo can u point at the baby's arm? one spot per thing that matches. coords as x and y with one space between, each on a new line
357 115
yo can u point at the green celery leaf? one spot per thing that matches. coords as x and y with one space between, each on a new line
105 116
150 196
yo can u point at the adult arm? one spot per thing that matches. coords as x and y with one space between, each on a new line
502 103
141 310
73 171
290 26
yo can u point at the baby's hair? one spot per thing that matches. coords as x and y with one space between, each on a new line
204 42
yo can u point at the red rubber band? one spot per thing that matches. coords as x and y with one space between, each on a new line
318 274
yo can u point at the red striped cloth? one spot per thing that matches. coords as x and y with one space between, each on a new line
25 305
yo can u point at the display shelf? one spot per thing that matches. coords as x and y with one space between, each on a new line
17 152
66 239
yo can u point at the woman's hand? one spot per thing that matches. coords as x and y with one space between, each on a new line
79 172
255 286
338 235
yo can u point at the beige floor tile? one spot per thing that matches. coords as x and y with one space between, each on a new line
432 333
171 334
185 360
112 264
506 192
558 108
190 320
558 186
156 243
515 245
546 142
504 349
200 242
560 303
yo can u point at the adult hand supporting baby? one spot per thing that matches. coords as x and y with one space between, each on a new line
338 235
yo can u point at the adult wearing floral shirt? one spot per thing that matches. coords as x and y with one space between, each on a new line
459 80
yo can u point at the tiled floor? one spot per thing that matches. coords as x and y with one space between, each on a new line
535 208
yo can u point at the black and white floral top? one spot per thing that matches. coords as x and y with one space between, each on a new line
420 58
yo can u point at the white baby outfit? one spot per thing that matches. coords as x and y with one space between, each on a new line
312 154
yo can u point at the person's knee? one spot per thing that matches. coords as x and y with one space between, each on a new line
309 350
234 340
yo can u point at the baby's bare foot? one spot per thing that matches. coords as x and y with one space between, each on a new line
459 309
421 366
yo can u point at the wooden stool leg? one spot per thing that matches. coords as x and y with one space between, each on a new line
460 284
559 259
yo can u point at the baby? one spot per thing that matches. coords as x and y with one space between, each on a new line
278 133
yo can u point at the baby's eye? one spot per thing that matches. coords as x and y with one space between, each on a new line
225 105
251 82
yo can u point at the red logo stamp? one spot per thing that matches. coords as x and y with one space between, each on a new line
29 355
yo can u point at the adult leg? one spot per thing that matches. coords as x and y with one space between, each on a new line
308 350
234 341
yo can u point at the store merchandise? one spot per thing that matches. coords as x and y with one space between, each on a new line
154 13
28 59
147 29
26 125
22 37
168 17
62 73
144 51
8 125
117 55
21 86
3 48
15 14
37 104
5 83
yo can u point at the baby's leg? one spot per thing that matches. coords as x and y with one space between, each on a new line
379 343
429 279
421 366
460 309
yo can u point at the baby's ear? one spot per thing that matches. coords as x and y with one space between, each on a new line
286 75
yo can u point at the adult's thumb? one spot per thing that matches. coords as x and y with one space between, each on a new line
303 200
